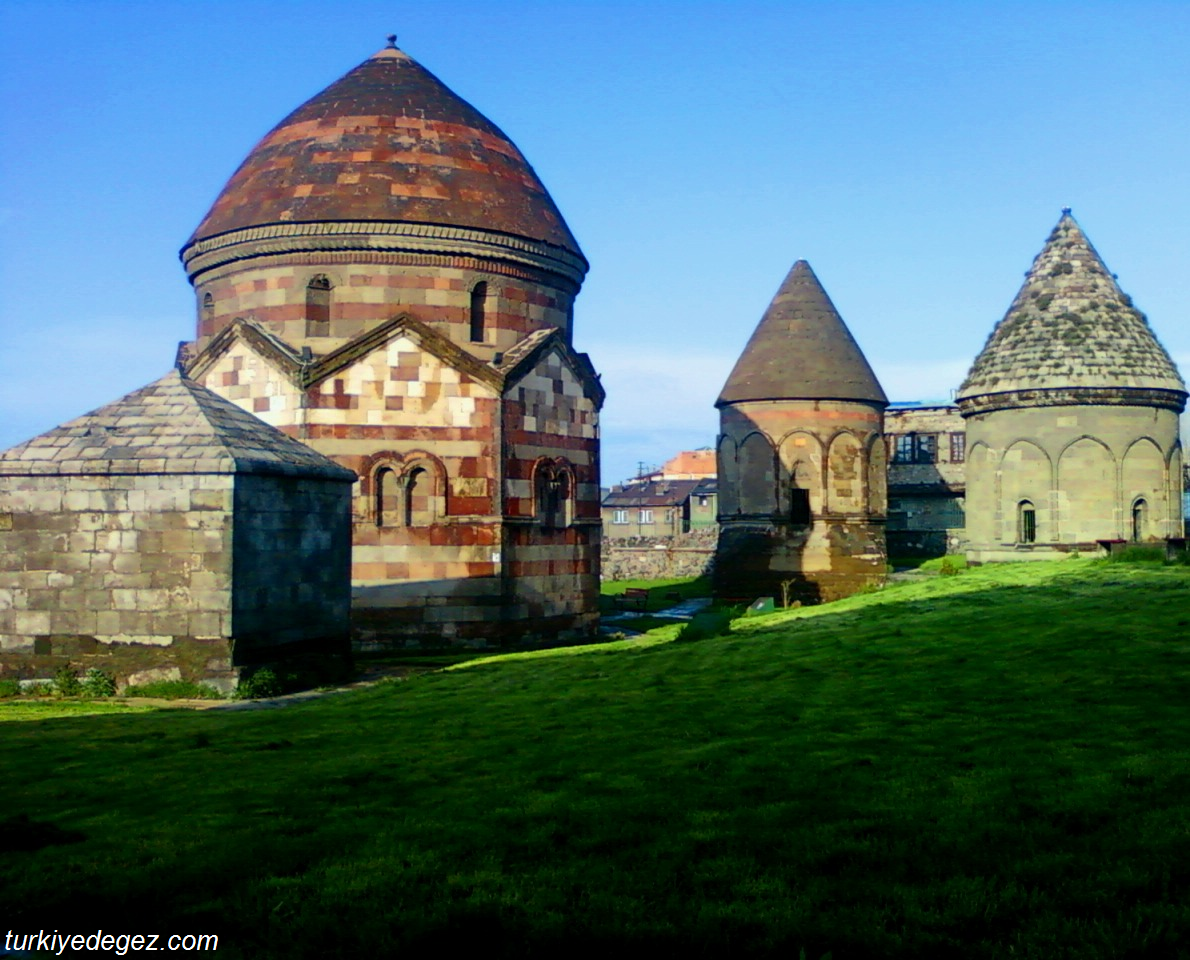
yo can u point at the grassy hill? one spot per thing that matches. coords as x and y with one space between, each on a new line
993 764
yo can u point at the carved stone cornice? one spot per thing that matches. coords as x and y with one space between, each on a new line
1174 400
273 239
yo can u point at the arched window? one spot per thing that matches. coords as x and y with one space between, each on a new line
418 498
408 496
318 306
1026 522
479 297
1140 511
553 497
387 509
562 506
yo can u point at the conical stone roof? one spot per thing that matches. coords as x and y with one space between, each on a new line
801 350
1070 327
388 142
173 425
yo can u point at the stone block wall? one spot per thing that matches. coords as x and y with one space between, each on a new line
660 558
127 573
1080 467
368 288
550 423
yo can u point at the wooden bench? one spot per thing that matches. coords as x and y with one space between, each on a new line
638 596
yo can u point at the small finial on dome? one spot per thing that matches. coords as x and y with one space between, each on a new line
1065 211
392 41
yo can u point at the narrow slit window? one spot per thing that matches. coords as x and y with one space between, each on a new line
208 312
1139 524
479 298
318 306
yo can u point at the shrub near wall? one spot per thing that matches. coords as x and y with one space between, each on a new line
660 558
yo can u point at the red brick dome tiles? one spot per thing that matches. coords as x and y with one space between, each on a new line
388 142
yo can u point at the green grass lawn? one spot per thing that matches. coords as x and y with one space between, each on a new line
995 764
16 710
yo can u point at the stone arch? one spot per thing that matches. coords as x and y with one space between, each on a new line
845 488
757 485
1086 492
728 469
1025 472
800 461
1144 478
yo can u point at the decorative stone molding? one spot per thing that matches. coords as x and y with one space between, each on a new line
275 239
1174 400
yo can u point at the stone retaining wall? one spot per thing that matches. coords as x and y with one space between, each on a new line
658 558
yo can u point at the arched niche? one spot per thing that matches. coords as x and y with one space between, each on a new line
800 477
1174 500
1087 502
846 487
981 494
1144 479
877 477
1025 474
728 469
757 484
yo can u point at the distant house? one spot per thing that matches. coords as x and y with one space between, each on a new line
691 465
659 508
927 456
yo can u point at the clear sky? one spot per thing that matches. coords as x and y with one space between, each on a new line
917 154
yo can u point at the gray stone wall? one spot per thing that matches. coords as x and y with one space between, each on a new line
1081 468
660 558
127 573
292 563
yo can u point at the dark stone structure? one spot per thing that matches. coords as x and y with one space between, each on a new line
802 464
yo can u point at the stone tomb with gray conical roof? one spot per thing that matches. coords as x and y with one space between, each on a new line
802 464
170 535
1071 411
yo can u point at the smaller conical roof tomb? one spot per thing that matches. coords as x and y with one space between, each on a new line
801 350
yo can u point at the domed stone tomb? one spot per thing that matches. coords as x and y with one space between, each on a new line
386 279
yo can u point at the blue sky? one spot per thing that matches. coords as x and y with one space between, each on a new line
917 154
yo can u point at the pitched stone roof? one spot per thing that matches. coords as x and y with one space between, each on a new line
173 425
388 142
801 350
1070 326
